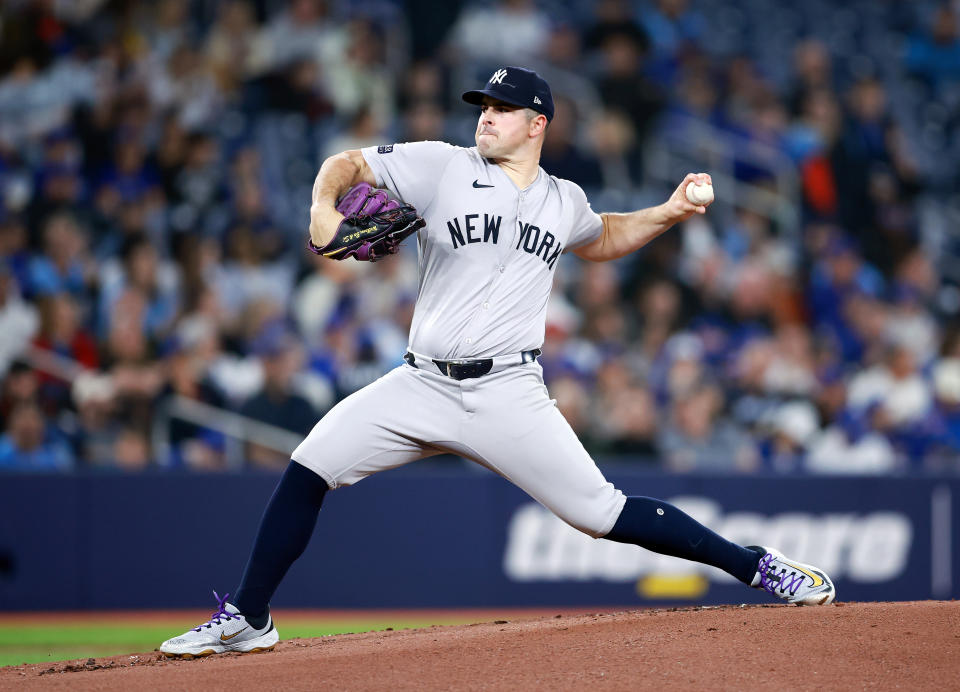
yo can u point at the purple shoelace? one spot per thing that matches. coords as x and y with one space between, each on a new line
220 613
770 580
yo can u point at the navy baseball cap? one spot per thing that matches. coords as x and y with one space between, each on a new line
517 86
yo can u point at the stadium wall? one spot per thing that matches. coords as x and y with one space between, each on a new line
457 538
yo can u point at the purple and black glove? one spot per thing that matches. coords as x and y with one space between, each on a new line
374 225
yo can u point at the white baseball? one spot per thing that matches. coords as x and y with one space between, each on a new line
700 194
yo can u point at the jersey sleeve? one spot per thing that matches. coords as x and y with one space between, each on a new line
587 224
411 171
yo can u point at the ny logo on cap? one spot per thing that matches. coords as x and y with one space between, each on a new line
536 99
498 76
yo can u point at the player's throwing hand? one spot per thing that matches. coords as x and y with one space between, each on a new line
679 207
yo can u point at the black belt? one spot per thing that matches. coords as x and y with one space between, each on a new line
467 369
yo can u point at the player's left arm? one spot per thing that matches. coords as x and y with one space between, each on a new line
337 174
626 233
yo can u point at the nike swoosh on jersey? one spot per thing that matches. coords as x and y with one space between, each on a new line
478 184
225 638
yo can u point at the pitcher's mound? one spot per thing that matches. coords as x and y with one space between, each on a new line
880 646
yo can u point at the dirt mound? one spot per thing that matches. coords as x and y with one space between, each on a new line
843 646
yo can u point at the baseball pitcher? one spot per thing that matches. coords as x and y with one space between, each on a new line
490 226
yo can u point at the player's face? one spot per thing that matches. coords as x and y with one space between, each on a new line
501 129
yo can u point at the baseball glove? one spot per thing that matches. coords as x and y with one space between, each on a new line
374 225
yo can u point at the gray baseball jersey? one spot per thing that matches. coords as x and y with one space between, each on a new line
488 254
488 251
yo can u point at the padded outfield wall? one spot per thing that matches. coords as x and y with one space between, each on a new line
434 537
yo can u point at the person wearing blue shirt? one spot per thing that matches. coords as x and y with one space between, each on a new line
27 445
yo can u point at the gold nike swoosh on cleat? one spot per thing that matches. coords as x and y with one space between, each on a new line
817 581
225 638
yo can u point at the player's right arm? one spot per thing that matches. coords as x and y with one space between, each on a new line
337 175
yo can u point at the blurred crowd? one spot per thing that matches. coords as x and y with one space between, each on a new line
156 160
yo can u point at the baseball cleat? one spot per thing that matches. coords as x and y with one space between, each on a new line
226 630
792 581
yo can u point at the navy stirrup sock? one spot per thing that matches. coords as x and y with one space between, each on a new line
285 531
663 528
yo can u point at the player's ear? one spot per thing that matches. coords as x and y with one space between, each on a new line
538 125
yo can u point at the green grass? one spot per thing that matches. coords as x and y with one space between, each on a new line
39 643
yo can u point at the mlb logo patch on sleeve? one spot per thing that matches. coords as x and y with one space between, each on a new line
384 148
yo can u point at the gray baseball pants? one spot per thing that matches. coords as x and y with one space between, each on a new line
504 420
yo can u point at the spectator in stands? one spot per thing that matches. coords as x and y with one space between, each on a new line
695 96
130 171
659 308
813 71
318 296
131 450
250 212
201 270
129 359
63 336
679 367
62 332
424 121
14 251
841 286
810 140
630 425
910 323
698 438
246 279
934 56
364 129
424 81
59 184
612 139
562 67
19 320
303 29
573 401
673 26
850 447
861 154
794 427
191 444
143 279
942 449
830 396
199 183
277 403
507 31
297 87
562 155
64 264
97 426
186 86
626 90
895 387
791 370
362 81
20 385
29 444
615 18
230 45
167 29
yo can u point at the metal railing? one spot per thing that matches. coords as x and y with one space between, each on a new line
237 429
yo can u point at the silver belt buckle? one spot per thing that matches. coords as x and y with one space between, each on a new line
451 363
